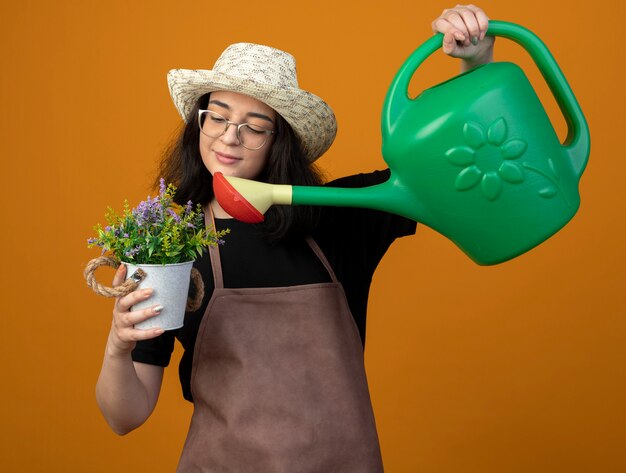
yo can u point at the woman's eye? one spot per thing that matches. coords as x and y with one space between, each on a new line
256 130
217 119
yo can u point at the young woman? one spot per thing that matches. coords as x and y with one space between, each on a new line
273 359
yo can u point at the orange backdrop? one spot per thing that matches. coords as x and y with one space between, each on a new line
514 368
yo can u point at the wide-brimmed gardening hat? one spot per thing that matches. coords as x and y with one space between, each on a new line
268 75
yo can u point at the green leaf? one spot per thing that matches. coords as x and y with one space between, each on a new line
460 156
496 134
468 178
548 192
513 149
491 185
511 172
474 135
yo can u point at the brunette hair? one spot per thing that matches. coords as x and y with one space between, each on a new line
182 165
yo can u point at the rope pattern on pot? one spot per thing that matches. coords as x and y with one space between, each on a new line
133 281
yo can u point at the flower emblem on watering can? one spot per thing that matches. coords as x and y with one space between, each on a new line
488 158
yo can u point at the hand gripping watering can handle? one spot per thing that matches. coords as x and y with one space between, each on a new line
577 141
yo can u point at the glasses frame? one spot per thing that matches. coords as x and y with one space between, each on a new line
238 125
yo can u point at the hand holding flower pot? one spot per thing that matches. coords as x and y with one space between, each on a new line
158 241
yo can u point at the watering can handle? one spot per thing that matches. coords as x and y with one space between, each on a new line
577 141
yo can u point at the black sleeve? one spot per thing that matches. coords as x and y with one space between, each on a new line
156 351
394 226
364 232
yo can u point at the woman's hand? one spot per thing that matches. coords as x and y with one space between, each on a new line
464 30
124 335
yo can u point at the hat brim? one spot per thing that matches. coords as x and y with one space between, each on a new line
311 118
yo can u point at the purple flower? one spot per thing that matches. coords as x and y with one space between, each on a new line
188 207
126 235
95 241
174 215
147 212
107 228
133 251
162 186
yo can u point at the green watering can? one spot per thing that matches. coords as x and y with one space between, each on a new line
475 158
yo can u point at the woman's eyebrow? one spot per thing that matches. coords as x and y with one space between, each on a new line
262 116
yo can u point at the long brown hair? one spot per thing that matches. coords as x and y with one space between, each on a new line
182 165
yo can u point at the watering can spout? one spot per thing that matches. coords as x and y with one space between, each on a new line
248 200
389 196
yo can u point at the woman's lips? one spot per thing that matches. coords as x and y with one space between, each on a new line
226 158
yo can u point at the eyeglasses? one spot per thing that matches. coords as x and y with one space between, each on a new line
213 125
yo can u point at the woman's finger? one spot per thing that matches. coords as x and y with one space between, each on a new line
129 319
454 19
120 275
135 335
131 335
449 44
123 304
442 25
124 335
471 24
482 19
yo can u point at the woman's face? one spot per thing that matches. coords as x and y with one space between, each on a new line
225 153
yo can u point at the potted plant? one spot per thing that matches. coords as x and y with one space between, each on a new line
158 241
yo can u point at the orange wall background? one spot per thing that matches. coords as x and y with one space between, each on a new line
514 368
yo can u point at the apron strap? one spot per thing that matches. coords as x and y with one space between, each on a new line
322 257
214 254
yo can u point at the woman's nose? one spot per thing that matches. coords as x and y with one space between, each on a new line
230 135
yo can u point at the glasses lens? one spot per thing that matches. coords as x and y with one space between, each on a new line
212 124
252 136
